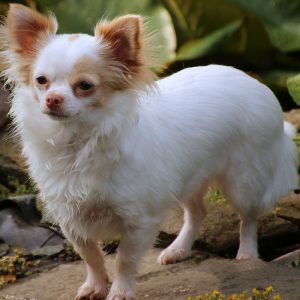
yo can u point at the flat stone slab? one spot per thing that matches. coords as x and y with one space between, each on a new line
175 282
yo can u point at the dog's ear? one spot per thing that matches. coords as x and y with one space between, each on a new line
126 52
26 28
123 38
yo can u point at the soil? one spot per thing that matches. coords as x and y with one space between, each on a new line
202 273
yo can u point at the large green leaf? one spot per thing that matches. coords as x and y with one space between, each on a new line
293 84
196 20
207 44
82 15
281 19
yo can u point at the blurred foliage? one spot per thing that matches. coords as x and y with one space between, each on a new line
293 84
14 187
82 16
19 188
261 36
281 19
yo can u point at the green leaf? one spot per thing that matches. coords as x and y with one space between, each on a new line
281 19
202 46
82 16
195 18
293 84
176 9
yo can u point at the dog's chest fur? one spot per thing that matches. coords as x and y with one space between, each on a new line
73 173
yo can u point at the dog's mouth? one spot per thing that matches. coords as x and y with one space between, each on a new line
57 116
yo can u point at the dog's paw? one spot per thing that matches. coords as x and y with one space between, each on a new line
120 296
119 291
173 255
92 291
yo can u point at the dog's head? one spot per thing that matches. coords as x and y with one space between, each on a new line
72 73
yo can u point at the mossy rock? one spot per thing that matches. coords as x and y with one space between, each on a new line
13 180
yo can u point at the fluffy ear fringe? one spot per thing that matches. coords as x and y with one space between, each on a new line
127 48
15 63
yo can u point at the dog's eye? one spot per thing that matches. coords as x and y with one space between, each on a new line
83 85
41 80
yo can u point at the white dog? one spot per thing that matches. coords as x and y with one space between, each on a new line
111 150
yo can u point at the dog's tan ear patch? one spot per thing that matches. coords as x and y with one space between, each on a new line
126 53
26 28
123 36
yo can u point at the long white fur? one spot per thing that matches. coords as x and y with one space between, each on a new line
118 168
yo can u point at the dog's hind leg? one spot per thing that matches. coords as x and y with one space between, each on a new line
246 194
194 214
255 182
248 238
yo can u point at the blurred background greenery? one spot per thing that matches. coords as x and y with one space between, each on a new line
261 37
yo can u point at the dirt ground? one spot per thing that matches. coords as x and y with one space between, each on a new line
189 278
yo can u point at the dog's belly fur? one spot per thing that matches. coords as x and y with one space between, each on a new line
92 222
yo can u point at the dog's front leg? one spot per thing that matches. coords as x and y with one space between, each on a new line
96 285
133 245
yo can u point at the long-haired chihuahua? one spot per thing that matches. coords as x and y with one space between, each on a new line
111 150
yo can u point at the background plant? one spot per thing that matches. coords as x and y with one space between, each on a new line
259 36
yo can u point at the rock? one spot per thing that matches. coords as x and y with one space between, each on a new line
4 248
4 105
290 209
16 232
47 250
219 233
27 206
176 282
289 259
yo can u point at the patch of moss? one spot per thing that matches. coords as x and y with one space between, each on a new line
216 197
